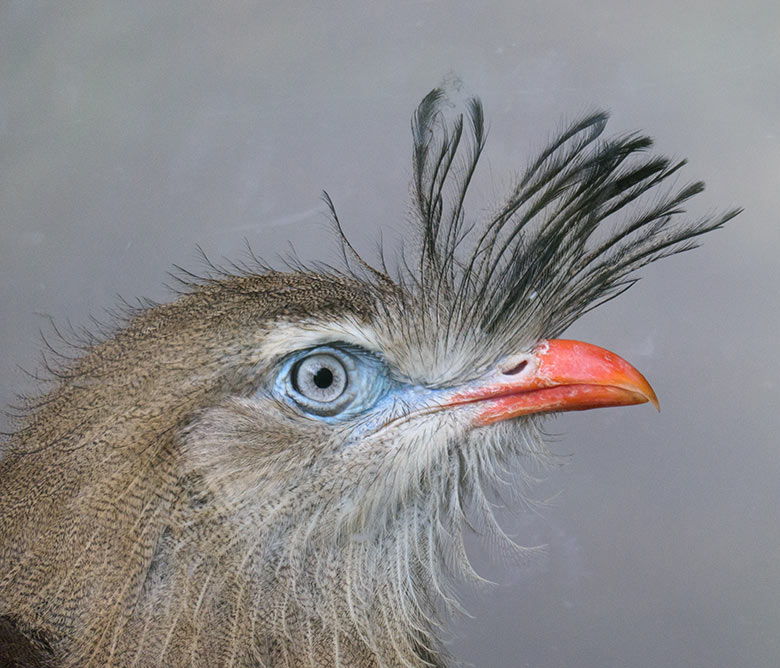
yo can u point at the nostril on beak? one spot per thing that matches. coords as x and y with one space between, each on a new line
516 369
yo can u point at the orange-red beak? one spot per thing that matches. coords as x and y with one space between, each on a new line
560 375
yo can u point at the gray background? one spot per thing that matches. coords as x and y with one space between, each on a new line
132 132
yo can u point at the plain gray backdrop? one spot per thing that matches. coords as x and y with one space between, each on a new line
131 133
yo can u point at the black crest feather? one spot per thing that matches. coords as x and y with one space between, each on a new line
586 214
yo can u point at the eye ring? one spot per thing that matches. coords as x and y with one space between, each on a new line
321 382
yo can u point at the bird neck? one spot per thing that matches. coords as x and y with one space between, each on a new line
302 594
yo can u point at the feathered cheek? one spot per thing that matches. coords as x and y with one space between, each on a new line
243 449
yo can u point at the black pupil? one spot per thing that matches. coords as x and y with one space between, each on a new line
323 378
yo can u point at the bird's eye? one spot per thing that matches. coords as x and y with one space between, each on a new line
320 377
331 381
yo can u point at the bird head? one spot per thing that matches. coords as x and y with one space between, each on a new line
277 466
